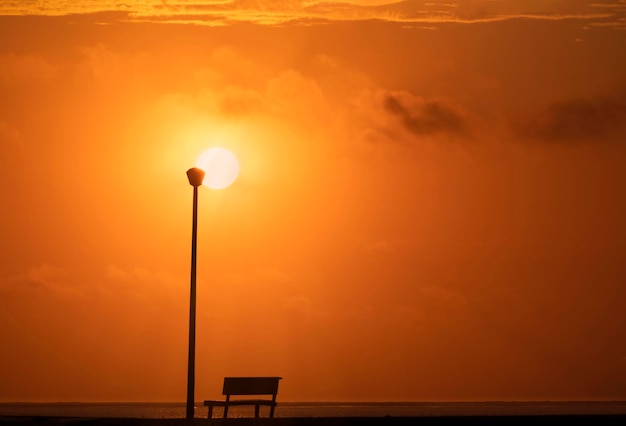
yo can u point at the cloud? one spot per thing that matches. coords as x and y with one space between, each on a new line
403 116
143 280
278 5
43 276
300 98
426 117
25 69
134 281
387 116
277 12
282 97
577 120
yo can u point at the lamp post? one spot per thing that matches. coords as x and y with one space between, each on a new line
195 176
223 168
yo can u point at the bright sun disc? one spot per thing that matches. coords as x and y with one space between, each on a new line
221 167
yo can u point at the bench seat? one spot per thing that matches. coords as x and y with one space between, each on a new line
246 386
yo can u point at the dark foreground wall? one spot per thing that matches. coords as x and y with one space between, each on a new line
573 420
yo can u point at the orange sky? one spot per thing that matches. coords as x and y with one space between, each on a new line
430 205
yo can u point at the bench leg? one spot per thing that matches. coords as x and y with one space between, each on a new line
272 411
256 410
210 412
225 411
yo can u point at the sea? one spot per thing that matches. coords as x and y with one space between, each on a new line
318 409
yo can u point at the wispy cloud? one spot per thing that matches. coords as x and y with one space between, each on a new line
402 116
280 12
426 117
25 69
42 274
577 120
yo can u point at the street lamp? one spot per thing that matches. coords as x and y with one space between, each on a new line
222 168
195 176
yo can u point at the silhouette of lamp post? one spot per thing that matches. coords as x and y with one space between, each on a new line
195 176
222 167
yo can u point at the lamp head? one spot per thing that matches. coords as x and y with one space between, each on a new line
195 176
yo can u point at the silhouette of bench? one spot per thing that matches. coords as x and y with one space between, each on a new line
247 386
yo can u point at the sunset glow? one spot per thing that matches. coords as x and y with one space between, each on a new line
425 201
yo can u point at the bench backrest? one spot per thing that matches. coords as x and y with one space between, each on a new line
250 386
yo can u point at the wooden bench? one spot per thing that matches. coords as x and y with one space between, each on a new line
248 386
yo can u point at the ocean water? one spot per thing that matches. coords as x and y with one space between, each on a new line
318 409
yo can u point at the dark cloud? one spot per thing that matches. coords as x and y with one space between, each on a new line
577 120
427 118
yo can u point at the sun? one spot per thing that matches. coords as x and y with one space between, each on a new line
221 167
